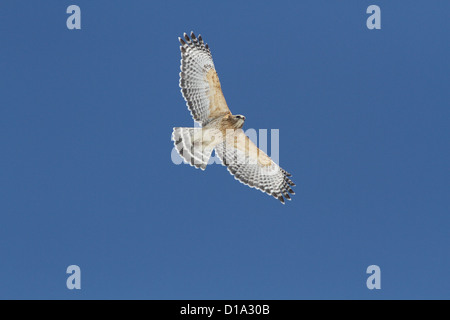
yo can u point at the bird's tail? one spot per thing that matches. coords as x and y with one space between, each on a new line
195 145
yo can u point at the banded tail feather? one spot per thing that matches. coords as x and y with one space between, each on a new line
192 146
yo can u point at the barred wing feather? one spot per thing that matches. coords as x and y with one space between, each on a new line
199 81
251 166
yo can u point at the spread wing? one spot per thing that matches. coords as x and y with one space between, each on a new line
199 82
253 167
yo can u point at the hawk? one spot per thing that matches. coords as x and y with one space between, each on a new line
221 130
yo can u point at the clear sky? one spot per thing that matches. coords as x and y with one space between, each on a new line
86 176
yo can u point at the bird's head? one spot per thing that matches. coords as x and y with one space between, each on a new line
239 120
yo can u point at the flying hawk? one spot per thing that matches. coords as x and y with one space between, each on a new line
220 130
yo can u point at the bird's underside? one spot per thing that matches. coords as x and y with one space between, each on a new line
220 129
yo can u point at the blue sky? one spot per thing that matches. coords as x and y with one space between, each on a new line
86 176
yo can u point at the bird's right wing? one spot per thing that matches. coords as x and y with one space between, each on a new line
199 81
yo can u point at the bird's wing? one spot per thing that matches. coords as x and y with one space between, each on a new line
199 82
251 166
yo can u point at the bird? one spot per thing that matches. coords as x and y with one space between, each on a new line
219 129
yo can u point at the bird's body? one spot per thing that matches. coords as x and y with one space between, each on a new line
221 130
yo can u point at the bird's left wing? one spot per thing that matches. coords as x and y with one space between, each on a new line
251 166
